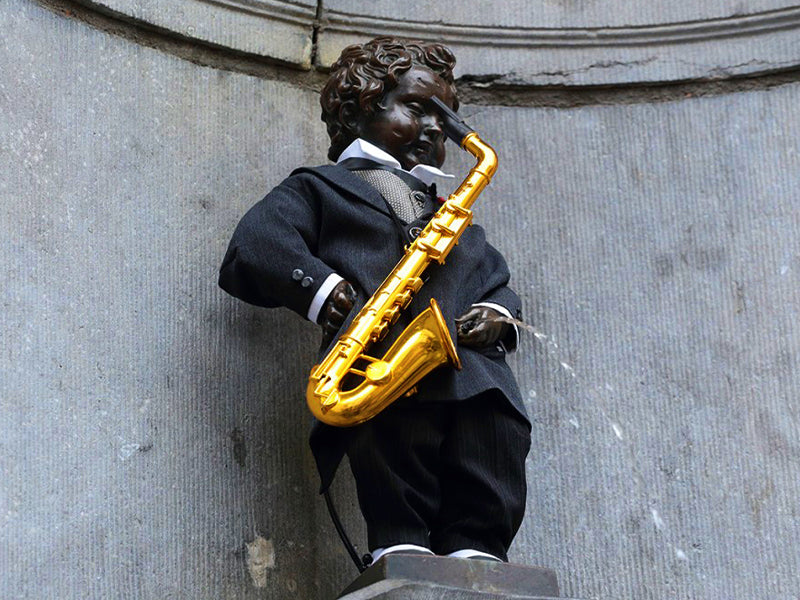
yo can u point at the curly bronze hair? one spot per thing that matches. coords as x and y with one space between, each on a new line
365 73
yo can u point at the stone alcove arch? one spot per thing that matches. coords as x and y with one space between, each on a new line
552 42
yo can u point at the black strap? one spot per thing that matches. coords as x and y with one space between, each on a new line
361 563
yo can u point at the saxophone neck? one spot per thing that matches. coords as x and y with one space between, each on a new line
480 175
487 157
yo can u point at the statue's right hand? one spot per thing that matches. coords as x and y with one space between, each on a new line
337 306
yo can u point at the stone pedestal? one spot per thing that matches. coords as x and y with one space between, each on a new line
400 577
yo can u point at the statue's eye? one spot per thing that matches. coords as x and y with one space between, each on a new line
415 108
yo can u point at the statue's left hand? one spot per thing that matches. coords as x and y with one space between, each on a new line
335 310
480 327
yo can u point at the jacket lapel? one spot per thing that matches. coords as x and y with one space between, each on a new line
349 185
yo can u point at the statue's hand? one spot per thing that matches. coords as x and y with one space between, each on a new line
480 327
337 306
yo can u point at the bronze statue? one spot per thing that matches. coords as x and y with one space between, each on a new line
439 461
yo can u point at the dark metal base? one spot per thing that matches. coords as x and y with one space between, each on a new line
406 577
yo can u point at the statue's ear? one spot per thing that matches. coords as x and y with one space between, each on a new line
351 119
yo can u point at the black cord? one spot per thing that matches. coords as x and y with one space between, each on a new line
361 564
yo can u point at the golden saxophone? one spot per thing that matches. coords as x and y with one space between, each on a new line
426 343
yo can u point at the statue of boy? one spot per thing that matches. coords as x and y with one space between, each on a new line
442 471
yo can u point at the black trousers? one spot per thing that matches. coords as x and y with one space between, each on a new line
447 475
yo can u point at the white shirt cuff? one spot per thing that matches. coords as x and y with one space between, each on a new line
506 313
322 294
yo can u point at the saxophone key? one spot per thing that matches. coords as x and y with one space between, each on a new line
457 210
414 284
432 251
403 298
391 314
379 331
329 402
379 372
443 229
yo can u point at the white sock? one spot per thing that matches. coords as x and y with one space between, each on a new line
470 553
378 552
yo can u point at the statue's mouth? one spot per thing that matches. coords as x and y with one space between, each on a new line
423 148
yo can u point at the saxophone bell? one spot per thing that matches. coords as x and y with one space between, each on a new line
422 347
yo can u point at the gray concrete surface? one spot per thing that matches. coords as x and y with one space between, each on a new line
150 430
153 441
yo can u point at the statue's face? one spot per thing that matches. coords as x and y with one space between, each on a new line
406 124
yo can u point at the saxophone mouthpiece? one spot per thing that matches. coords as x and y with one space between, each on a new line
454 127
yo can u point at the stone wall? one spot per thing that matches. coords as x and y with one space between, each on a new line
154 439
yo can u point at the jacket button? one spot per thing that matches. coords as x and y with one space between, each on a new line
297 274
307 281
419 197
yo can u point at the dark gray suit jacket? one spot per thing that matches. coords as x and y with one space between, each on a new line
326 219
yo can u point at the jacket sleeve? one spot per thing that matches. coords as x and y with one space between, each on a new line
496 291
271 259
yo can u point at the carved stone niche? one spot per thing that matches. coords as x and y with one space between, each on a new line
274 29
582 42
511 42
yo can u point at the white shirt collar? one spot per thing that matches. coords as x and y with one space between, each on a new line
363 149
